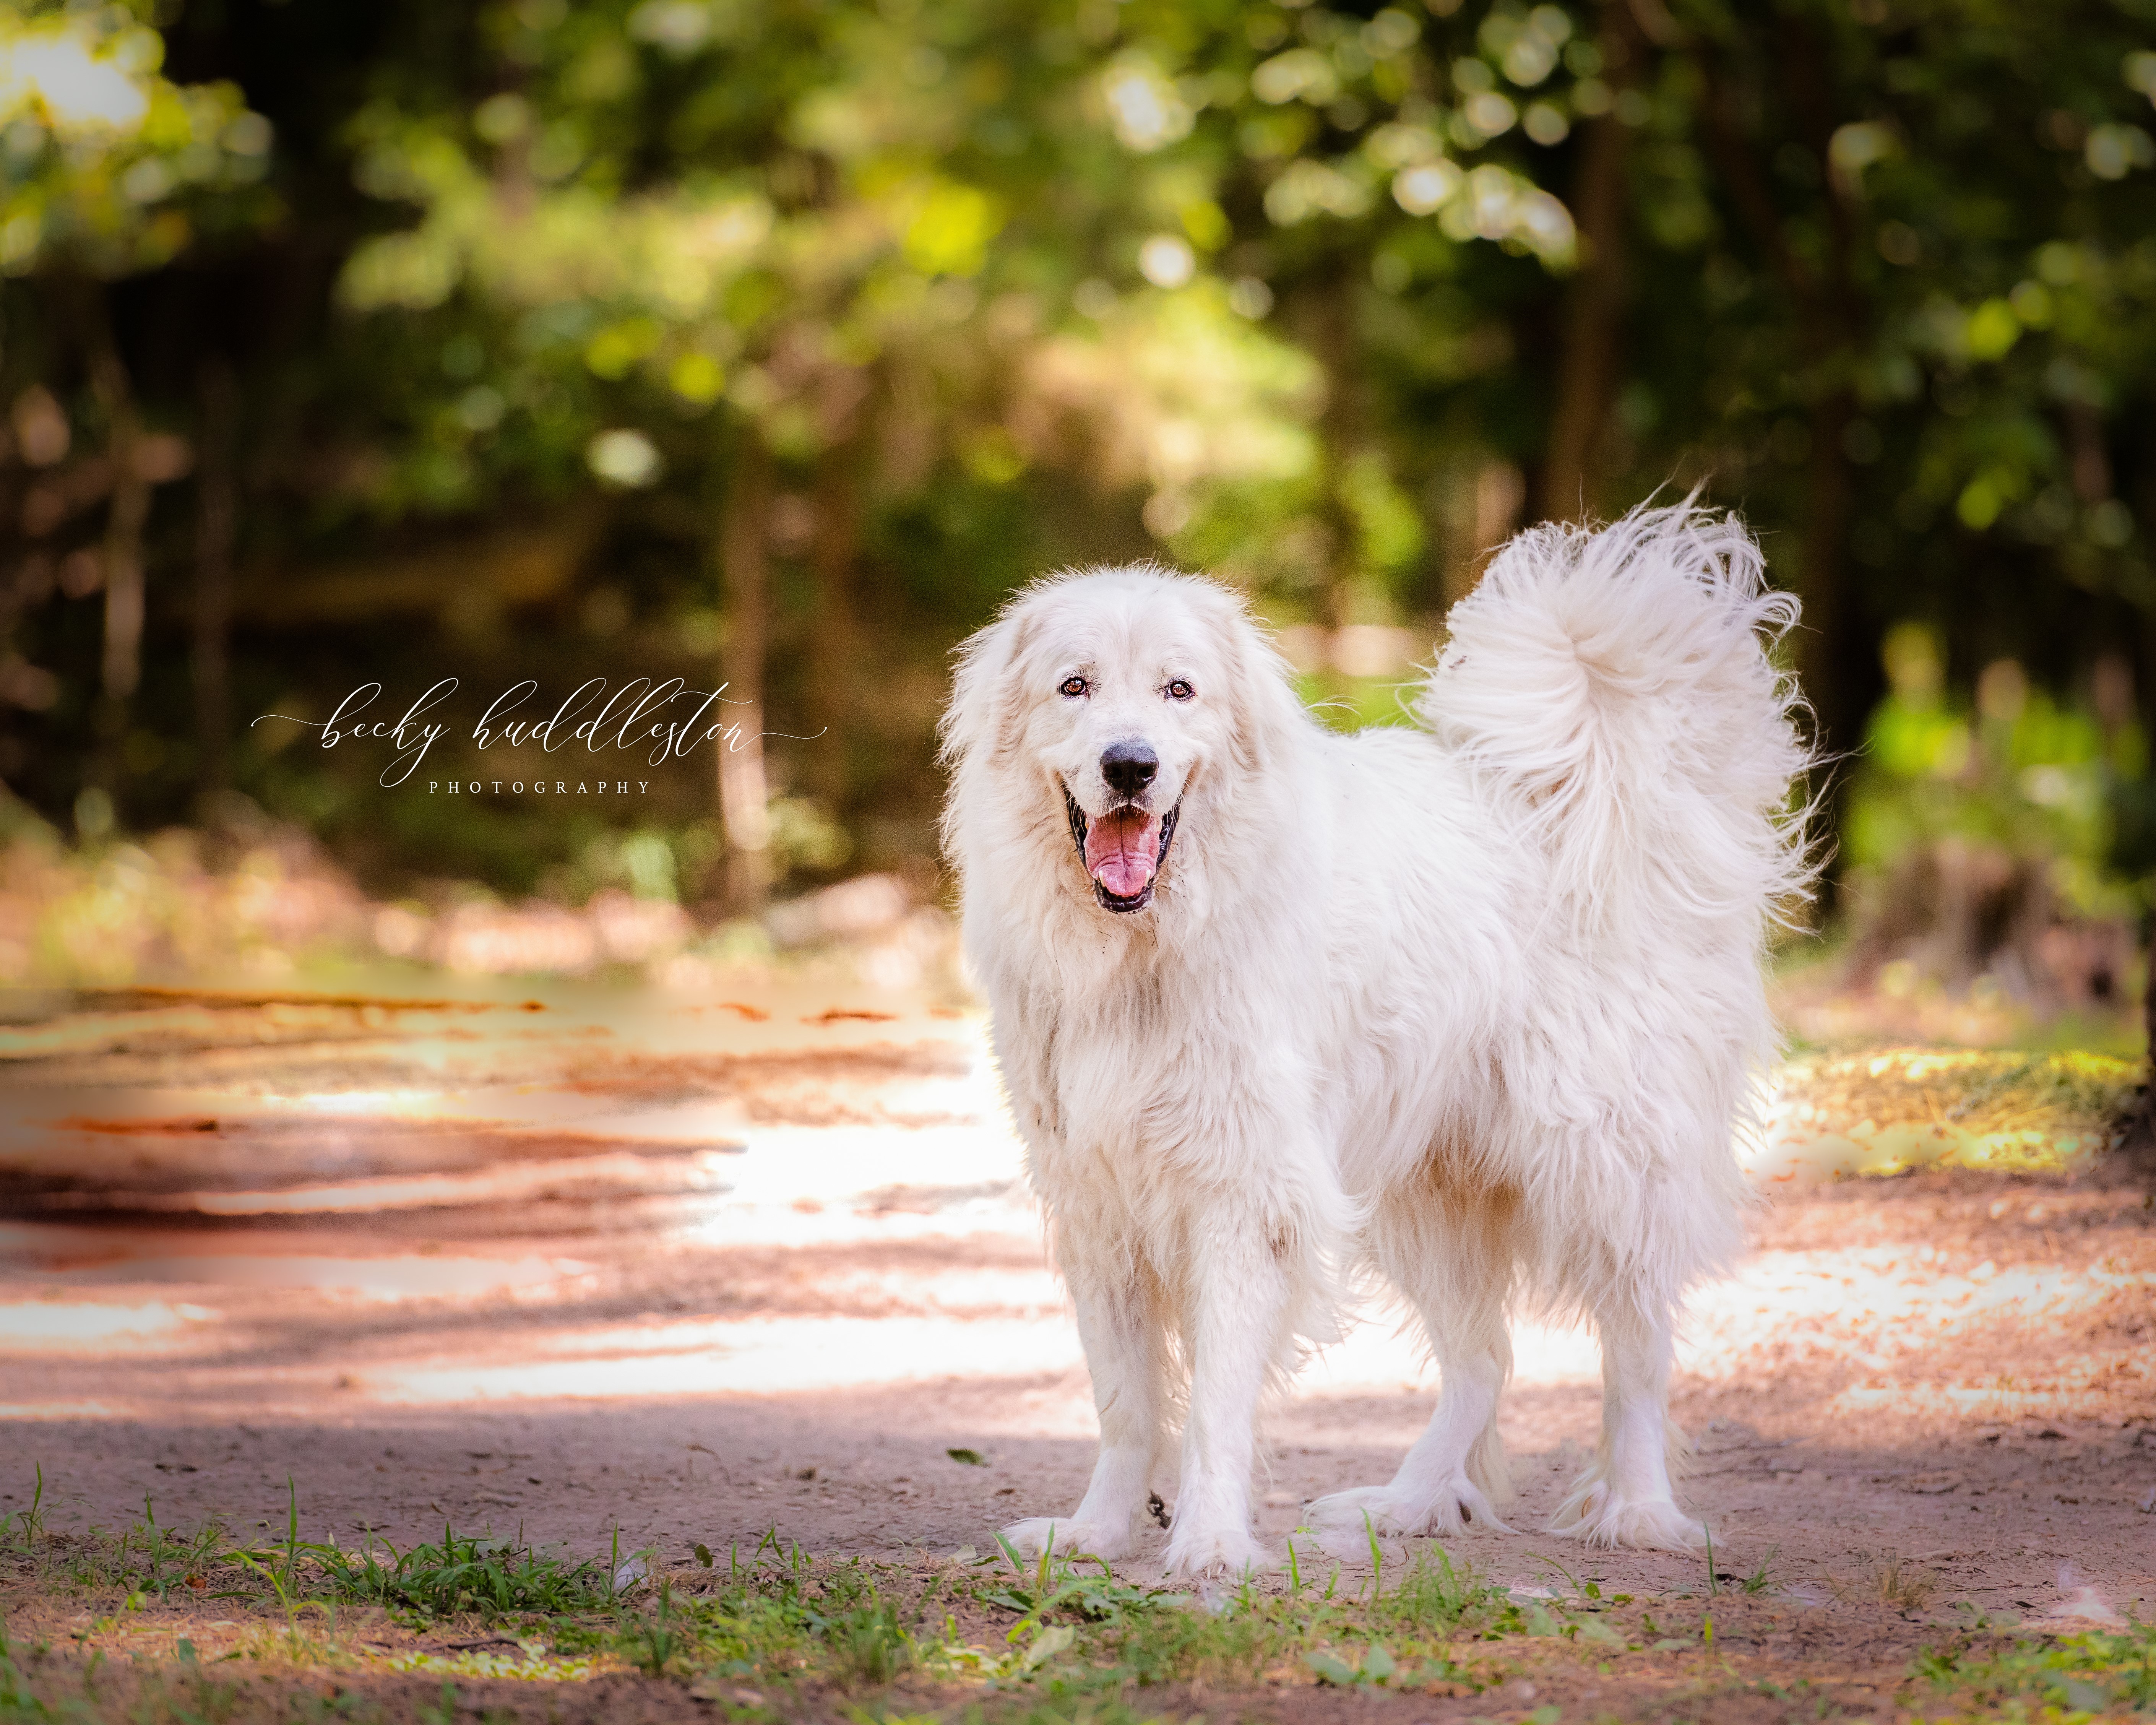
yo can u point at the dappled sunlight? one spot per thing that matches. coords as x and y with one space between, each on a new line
402 1277
750 1357
554 1228
863 1150
433 1191
765 1258
1380 1354
1888 1309
40 1326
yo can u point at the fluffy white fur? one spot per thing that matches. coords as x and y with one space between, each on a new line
1475 1007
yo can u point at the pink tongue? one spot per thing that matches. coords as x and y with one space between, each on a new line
1121 850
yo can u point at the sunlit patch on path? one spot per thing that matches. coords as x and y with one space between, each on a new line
1885 1111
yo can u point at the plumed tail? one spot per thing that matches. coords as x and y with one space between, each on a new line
1613 690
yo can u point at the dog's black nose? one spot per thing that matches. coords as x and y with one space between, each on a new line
1128 766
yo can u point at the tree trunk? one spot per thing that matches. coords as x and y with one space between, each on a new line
834 637
1594 309
1835 663
743 547
1830 654
2139 1124
125 601
1326 321
214 526
1838 661
128 512
121 558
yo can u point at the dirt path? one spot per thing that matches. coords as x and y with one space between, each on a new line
700 1269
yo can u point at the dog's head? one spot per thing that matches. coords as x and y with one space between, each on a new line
1113 700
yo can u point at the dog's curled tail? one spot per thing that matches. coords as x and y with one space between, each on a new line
1613 689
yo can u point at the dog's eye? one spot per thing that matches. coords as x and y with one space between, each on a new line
1180 691
1074 686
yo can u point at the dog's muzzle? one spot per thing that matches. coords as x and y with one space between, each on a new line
1081 828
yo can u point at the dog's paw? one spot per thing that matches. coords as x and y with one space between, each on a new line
1065 1536
1596 1513
1221 1555
1345 1520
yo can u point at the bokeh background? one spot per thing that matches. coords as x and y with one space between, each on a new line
772 342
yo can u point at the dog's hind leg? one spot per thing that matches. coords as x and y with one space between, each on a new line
1623 1498
1122 1323
1457 1267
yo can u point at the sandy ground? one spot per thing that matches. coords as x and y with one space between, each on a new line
699 1269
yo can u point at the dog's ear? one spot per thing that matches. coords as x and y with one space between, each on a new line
1264 708
983 713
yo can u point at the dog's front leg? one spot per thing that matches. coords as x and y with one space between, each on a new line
1120 1323
1235 1322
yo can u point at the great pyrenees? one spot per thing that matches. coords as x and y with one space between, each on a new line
1476 1007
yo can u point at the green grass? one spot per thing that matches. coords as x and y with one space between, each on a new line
463 1573
152 1627
2102 1671
493 1577
739 1628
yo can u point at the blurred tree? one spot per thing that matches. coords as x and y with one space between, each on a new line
111 169
1915 213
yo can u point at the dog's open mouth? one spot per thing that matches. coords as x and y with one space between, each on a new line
1122 851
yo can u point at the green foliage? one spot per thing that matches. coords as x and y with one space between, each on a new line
1318 297
111 167
2016 771
1050 1641
778 1617
2098 1671
1084 1630
22 1528
460 1574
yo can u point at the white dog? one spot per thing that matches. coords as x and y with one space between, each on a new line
1478 1007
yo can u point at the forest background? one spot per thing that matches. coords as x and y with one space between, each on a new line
773 342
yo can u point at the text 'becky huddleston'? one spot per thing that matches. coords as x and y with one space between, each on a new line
642 714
